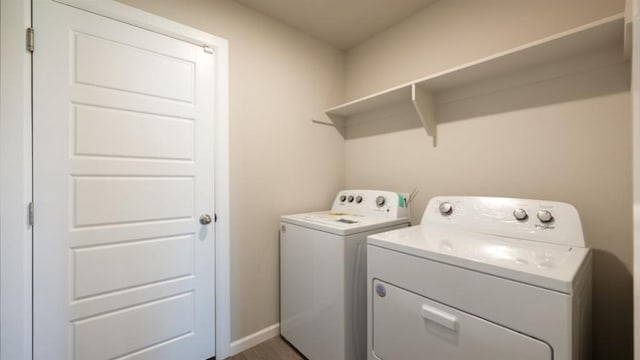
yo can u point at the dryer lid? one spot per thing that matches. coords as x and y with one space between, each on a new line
545 265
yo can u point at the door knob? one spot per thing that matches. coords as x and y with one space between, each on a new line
205 219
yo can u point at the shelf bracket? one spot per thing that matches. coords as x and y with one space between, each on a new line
425 107
628 29
339 123
322 122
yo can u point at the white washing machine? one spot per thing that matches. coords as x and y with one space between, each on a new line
484 279
323 272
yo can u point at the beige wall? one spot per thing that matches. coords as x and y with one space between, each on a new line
453 32
280 162
566 139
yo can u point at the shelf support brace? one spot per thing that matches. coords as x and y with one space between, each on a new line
339 122
425 107
322 122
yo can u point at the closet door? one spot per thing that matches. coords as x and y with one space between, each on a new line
123 172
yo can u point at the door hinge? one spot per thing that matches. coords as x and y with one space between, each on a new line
31 213
30 40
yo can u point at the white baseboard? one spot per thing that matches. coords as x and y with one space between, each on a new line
254 339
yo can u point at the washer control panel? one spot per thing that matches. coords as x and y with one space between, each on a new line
537 220
378 203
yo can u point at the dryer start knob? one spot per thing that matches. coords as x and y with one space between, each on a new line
380 200
445 208
545 216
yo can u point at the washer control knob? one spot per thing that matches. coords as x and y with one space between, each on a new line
545 216
380 200
350 198
520 214
343 198
445 208
358 199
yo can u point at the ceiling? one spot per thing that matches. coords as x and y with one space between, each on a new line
342 23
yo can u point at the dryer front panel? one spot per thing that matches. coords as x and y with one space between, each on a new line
408 326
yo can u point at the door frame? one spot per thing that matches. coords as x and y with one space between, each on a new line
16 167
633 25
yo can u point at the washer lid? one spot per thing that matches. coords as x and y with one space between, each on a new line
341 223
545 265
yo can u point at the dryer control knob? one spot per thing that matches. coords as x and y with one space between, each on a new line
380 200
445 208
545 216
358 199
520 214
350 198
343 198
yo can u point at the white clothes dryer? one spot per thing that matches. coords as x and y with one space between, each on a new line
484 279
323 272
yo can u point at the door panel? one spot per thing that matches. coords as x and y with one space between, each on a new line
109 336
133 68
131 199
123 168
97 132
107 268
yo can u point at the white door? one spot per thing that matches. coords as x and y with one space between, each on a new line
123 170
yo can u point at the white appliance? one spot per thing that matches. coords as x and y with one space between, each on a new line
323 272
481 278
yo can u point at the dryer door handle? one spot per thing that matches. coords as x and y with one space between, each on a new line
440 317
